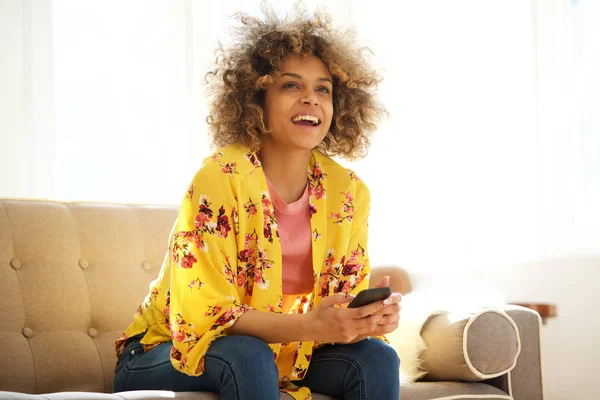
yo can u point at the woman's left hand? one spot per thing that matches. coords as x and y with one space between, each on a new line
390 313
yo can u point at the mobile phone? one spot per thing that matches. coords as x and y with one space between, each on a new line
369 296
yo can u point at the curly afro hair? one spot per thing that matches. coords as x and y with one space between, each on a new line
244 69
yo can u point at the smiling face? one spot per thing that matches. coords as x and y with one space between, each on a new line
299 103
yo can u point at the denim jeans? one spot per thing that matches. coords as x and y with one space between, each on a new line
242 368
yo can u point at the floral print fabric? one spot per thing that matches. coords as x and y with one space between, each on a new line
224 259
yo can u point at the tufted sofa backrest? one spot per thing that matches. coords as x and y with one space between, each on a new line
71 278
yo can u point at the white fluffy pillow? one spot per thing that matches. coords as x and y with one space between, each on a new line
407 340
424 302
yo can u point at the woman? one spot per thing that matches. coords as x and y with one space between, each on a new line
271 238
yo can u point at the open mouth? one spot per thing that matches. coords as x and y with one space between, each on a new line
306 120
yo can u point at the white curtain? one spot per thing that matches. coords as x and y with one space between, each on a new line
26 99
583 98
124 100
105 102
453 172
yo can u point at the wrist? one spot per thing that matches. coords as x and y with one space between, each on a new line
306 327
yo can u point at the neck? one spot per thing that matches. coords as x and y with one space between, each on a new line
286 169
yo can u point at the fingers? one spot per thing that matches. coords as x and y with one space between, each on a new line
367 325
395 298
389 319
370 320
376 326
364 311
379 307
388 323
384 329
391 305
349 330
338 298
384 282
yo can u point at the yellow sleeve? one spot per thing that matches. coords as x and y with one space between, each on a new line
204 299
356 263
357 256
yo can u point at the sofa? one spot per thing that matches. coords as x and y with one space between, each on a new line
73 274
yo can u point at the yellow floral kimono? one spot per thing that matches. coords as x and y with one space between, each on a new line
225 257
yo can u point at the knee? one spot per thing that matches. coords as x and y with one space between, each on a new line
380 370
387 354
378 357
246 353
390 356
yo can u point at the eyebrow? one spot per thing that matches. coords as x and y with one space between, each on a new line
322 79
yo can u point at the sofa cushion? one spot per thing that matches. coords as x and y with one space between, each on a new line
452 391
413 391
469 347
72 276
133 395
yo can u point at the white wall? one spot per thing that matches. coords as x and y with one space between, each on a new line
12 117
458 153
476 195
26 120
124 101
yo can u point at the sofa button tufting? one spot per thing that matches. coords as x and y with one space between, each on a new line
16 264
83 263
146 265
92 332
27 332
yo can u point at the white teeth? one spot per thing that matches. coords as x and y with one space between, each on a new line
311 118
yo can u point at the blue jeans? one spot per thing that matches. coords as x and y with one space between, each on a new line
242 368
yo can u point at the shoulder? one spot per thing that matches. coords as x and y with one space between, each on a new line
228 164
338 177
221 174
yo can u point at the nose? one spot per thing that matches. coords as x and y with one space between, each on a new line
310 98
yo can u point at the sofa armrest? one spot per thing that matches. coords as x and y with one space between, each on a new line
469 346
524 382
449 355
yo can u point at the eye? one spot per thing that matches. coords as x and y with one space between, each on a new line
323 89
290 85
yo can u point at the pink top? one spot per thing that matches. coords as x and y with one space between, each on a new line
293 222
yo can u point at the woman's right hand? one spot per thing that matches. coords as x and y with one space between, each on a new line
342 325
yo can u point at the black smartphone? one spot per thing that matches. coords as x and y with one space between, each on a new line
369 296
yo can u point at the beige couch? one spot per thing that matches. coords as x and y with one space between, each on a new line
73 274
